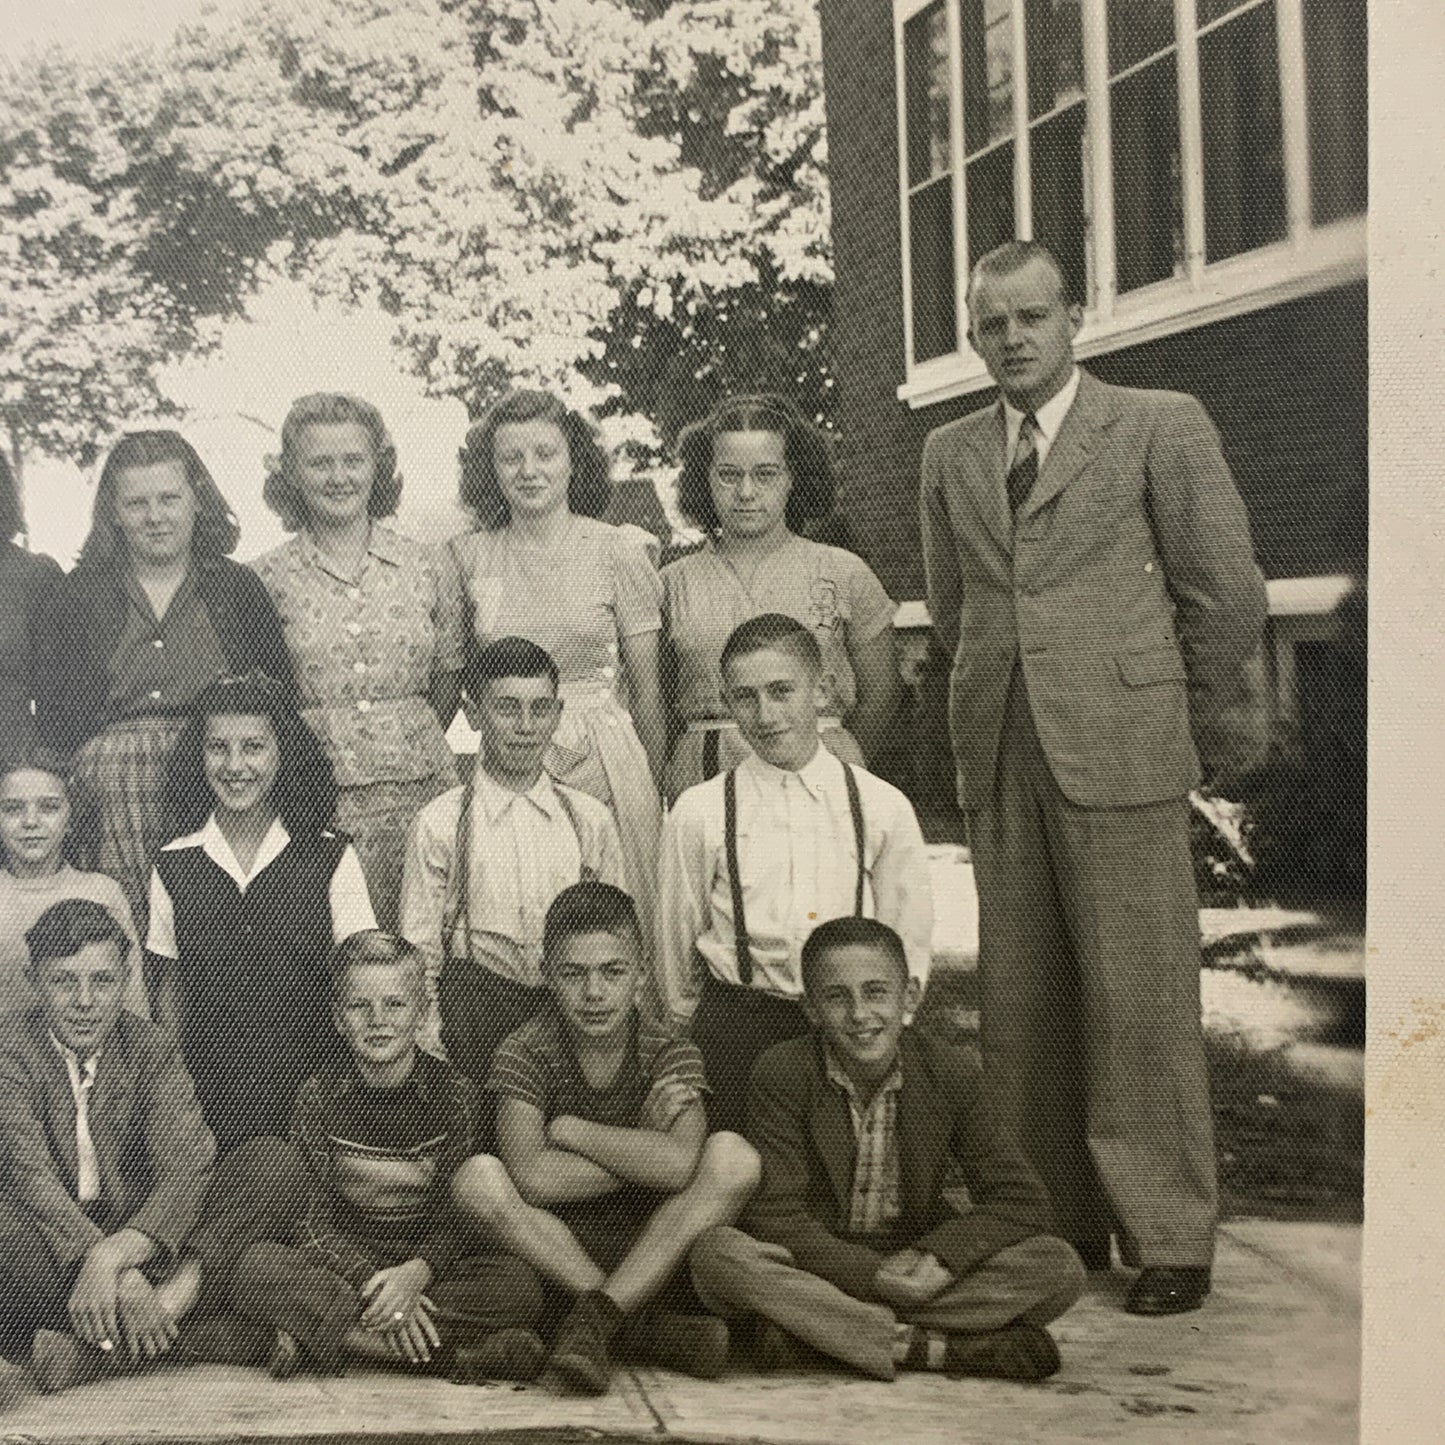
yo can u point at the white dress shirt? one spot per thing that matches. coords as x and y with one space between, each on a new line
799 868
1049 418
82 1082
350 901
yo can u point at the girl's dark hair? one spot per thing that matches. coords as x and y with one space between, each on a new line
305 789
328 408
216 532
12 520
805 449
589 490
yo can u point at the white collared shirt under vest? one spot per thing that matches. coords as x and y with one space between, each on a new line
799 868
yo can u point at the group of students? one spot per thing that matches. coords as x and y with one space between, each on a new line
476 1139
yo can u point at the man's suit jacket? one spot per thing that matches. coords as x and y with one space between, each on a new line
152 1146
801 1126
1127 587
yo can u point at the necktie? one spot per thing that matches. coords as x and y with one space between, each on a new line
1025 469
87 1167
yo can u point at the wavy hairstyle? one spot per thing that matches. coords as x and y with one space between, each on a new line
805 449
304 794
330 408
12 519
216 532
590 487
25 755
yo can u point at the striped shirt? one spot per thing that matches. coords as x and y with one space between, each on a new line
875 1201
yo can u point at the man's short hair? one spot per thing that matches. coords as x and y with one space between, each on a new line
772 632
508 657
1014 256
374 946
587 907
70 925
850 932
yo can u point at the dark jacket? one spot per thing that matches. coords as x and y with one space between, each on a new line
152 1146
800 1124
81 622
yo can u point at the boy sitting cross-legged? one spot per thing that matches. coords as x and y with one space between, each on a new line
854 1253
382 1271
606 1173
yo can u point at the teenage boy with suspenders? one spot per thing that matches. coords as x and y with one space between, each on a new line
752 861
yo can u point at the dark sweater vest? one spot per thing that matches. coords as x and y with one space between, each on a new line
255 1008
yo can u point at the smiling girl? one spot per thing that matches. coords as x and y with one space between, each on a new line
247 903
34 873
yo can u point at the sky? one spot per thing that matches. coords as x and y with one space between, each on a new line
96 25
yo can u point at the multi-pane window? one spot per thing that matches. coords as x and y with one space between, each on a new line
1146 141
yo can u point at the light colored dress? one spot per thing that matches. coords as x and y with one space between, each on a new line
578 599
831 592
365 650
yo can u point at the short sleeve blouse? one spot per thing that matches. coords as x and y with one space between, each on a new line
832 592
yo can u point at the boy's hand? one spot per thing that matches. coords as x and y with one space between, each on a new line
148 1329
394 1295
415 1337
92 1302
669 1100
911 1278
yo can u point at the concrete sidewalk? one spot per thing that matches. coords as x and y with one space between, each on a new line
1273 1358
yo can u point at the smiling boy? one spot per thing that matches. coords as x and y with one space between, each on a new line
484 860
606 1174
751 861
854 1253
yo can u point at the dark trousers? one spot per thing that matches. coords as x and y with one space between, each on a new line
732 1026
1089 971
479 1009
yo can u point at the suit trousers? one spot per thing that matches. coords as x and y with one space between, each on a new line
1031 1282
1089 970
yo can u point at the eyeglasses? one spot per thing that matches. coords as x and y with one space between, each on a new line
766 477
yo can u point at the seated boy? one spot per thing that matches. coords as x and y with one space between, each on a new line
606 1173
379 1273
106 1166
752 859
484 860
854 1252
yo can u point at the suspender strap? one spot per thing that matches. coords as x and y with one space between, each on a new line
742 943
709 753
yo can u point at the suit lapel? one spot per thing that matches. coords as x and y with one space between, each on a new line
923 1133
989 495
833 1138
1090 414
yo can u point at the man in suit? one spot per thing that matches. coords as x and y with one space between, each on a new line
1090 572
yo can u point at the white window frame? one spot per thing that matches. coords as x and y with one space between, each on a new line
1308 260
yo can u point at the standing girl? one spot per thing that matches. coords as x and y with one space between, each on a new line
542 566
374 625
247 903
153 613
25 578
753 472
34 873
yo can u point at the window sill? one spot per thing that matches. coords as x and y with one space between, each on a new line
1330 257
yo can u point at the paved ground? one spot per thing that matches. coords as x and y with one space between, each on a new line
1271 1360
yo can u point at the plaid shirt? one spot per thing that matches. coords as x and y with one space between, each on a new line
875 1202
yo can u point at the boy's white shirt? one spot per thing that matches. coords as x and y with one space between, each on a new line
351 910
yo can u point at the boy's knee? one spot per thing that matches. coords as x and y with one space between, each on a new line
1055 1272
483 1186
729 1162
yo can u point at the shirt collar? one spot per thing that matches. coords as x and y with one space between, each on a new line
1049 417
838 1075
213 843
495 800
80 1070
817 775
383 544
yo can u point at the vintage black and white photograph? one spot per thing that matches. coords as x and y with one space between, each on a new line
683 705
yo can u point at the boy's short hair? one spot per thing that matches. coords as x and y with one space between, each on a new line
587 907
850 932
374 946
508 657
772 632
70 925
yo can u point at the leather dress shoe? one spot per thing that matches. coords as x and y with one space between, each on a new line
1168 1290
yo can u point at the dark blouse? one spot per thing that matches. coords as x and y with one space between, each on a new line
25 577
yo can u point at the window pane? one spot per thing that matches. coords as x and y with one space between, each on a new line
930 228
1056 54
1148 202
1057 161
1244 203
925 70
1336 97
988 72
1137 30
989 197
